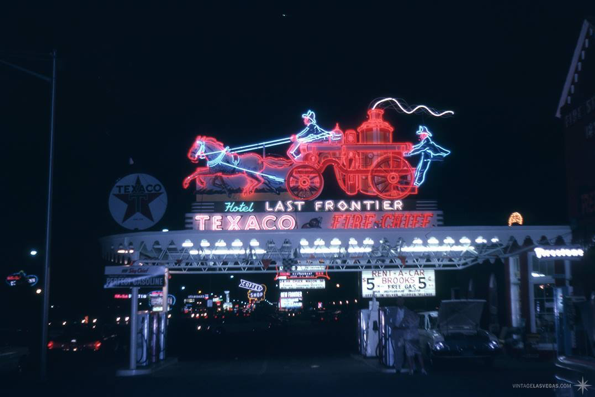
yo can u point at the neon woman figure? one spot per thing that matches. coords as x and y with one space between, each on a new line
312 133
428 150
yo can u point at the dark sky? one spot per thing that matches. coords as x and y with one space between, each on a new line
141 82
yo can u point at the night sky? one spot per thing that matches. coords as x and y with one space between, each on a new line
142 82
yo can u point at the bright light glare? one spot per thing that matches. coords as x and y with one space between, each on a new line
38 291
33 252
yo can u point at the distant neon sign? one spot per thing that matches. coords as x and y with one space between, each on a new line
515 217
558 252
21 278
249 285
257 296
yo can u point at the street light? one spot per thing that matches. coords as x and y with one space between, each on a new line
33 252
46 267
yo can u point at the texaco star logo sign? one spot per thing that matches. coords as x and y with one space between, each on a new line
138 201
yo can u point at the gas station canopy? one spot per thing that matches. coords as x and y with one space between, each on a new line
443 248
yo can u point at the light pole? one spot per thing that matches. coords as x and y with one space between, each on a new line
48 229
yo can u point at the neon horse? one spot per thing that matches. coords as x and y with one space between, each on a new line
225 164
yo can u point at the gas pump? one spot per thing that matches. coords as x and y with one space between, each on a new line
369 330
390 355
142 339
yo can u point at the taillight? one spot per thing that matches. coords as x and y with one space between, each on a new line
97 345
51 345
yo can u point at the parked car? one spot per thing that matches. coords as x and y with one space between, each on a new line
575 364
14 353
453 332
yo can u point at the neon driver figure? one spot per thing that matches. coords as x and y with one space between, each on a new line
312 133
428 150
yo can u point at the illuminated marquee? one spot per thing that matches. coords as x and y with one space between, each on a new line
318 214
295 271
290 300
365 161
393 283
318 283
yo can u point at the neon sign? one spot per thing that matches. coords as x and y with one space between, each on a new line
427 150
240 222
403 107
21 278
294 271
249 285
515 217
386 221
366 161
558 252
258 295
315 220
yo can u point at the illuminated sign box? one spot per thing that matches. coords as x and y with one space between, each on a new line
291 300
315 220
302 284
134 276
393 283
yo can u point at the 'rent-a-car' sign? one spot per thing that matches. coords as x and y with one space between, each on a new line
403 282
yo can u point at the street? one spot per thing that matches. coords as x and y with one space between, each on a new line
339 374
306 361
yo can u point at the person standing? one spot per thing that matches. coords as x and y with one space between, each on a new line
406 334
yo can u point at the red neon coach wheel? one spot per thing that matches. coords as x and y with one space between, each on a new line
304 182
392 177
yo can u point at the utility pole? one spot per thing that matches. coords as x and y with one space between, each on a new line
48 235
48 229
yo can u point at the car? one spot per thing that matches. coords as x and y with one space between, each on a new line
85 340
453 332
14 352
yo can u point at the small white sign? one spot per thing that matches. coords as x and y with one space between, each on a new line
393 283
302 284
290 300
134 276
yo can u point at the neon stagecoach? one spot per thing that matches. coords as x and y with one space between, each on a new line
364 161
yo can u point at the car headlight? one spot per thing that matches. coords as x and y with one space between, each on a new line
439 346
493 345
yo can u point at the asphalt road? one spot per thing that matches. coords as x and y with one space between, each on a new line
320 362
